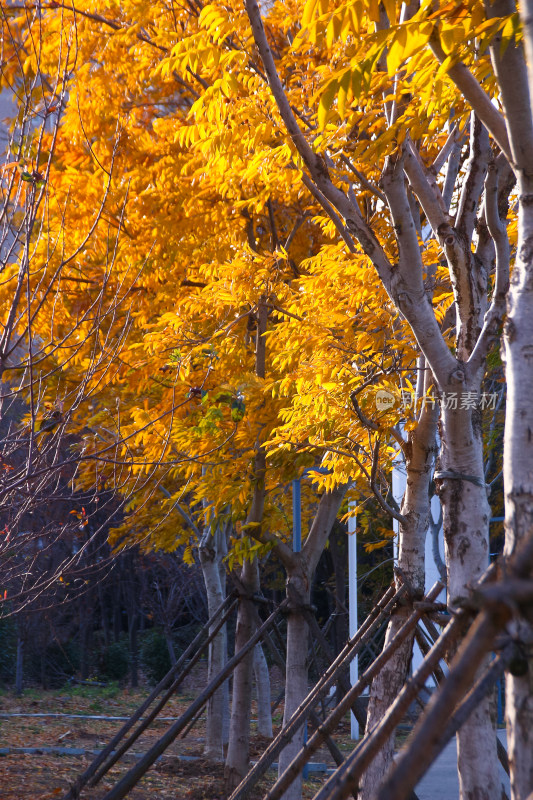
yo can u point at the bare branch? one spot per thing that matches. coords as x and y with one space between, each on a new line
480 154
377 493
364 420
446 150
330 211
511 73
424 185
452 171
314 162
294 230
498 232
364 181
409 290
474 94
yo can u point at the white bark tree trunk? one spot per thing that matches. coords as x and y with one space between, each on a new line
420 457
466 517
212 550
516 84
262 685
300 570
237 760
466 512
296 676
518 482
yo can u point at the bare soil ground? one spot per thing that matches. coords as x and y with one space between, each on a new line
43 775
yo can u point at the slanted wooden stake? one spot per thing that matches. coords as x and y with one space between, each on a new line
170 678
136 773
364 633
417 757
329 725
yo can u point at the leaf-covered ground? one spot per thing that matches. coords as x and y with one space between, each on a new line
42 775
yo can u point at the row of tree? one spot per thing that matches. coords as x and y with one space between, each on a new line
236 252
104 621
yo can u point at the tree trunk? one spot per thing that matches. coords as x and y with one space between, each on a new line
85 620
212 550
134 649
518 481
239 733
338 542
466 515
117 602
262 684
296 677
131 590
300 568
170 645
19 672
103 614
420 456
44 676
237 760
223 548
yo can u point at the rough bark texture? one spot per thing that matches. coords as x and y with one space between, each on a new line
466 511
170 644
466 516
518 482
385 687
515 78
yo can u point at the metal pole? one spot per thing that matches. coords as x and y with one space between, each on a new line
296 515
352 607
297 547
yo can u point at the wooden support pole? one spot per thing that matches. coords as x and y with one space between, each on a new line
358 641
278 636
191 725
347 778
414 761
422 642
143 765
440 677
125 746
336 715
429 738
170 678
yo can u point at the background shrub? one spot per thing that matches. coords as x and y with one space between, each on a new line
114 661
154 655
